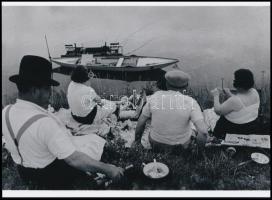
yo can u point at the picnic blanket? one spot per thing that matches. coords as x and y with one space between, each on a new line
125 129
100 128
86 138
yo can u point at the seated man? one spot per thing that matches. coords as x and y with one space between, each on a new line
171 112
38 143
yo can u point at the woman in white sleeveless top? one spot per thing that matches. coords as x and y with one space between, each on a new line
86 105
239 113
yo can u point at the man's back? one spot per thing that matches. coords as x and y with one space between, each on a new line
171 113
38 145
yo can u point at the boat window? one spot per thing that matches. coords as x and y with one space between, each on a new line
130 61
87 59
120 62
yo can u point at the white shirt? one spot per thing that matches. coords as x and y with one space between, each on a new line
80 99
171 113
43 142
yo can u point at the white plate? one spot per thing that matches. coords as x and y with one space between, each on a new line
156 170
260 158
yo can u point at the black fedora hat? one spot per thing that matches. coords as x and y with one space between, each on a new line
34 70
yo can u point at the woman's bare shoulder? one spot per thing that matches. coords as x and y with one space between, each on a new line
235 102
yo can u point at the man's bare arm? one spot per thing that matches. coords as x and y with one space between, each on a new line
202 130
85 163
140 127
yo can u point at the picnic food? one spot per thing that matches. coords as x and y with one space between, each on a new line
156 170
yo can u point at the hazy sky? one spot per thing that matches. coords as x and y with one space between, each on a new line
210 42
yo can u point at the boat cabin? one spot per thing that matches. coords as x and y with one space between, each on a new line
115 49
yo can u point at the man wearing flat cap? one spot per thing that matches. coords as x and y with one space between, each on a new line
37 140
171 113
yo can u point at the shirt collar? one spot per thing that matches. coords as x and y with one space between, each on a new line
173 92
37 107
30 104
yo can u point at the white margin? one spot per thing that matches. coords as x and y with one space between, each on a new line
133 193
135 3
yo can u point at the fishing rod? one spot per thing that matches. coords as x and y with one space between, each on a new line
140 46
133 33
47 48
52 91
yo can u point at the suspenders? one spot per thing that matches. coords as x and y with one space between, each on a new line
27 124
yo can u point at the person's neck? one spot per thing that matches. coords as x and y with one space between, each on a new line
181 90
32 100
176 89
242 91
86 83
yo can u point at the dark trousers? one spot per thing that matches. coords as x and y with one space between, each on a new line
56 176
158 147
88 119
224 126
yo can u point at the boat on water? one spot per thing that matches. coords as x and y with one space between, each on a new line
110 59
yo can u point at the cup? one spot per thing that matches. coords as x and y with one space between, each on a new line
231 151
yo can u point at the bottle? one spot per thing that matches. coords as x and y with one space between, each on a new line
134 98
50 109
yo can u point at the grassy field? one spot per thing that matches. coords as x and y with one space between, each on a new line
209 169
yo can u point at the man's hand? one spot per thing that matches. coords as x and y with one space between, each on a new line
201 139
97 100
115 173
227 92
210 139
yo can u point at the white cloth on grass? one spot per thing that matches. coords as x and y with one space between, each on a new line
91 144
77 128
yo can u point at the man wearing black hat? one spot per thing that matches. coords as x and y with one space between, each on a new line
37 140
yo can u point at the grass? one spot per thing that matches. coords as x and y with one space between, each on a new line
210 169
